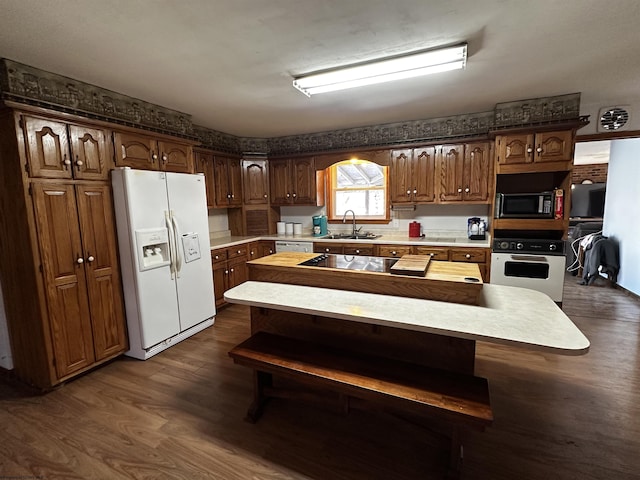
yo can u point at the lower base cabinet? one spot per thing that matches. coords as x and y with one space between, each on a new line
229 269
230 265
344 248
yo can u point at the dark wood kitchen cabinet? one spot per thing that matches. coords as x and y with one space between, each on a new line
229 269
532 150
255 178
412 176
203 161
465 173
261 248
58 262
57 149
227 181
146 152
81 274
295 182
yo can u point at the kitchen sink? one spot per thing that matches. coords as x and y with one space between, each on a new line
349 236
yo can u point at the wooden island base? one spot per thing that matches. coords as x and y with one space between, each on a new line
390 343
325 361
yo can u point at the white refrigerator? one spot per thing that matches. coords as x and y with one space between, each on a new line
165 256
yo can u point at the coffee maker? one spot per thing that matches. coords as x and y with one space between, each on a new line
476 228
320 226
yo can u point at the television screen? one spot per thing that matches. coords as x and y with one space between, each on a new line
587 200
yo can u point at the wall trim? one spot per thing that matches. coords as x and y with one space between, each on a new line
25 84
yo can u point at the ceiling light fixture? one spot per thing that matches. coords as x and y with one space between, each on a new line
384 70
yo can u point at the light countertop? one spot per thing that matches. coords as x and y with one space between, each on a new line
392 238
506 315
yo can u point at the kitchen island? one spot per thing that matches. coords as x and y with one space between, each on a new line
407 355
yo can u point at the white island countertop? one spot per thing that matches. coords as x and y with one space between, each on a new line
506 315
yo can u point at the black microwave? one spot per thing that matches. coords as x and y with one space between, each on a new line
524 205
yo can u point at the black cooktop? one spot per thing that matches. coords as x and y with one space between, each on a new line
352 262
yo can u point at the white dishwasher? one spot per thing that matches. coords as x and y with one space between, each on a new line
293 246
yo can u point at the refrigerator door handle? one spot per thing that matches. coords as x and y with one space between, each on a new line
176 232
172 247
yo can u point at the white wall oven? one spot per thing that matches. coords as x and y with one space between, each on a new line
535 264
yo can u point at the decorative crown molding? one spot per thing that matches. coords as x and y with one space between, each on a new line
387 134
30 85
538 110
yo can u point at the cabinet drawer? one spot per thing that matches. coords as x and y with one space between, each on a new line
474 255
237 252
358 250
327 248
218 256
436 253
393 250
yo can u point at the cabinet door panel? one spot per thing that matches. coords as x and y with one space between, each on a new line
90 153
304 175
423 175
400 176
204 164
64 277
220 274
135 151
554 146
176 157
221 182
451 166
279 182
234 176
515 149
102 272
267 247
47 148
256 182
238 272
477 172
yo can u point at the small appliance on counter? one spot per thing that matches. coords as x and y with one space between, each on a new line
476 228
414 229
320 226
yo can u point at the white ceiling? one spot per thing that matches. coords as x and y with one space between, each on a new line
229 63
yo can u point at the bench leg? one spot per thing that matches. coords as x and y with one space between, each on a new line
260 381
456 454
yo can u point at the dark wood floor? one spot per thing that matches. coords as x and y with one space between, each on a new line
180 415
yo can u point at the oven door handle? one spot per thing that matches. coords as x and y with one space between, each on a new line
529 258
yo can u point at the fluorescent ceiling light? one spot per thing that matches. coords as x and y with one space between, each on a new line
384 70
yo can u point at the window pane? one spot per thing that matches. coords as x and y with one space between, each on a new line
360 174
360 186
365 203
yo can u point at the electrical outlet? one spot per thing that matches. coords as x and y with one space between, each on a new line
395 223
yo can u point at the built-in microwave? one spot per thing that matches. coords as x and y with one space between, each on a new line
524 205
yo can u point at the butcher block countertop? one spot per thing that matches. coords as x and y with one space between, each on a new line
456 282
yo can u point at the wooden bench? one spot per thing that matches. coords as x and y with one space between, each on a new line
450 399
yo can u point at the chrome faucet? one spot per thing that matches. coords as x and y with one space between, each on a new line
344 219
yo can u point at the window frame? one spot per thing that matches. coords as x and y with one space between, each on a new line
331 184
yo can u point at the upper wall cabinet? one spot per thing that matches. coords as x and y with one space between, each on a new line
150 153
412 177
542 151
227 181
465 172
256 182
62 150
204 164
295 182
